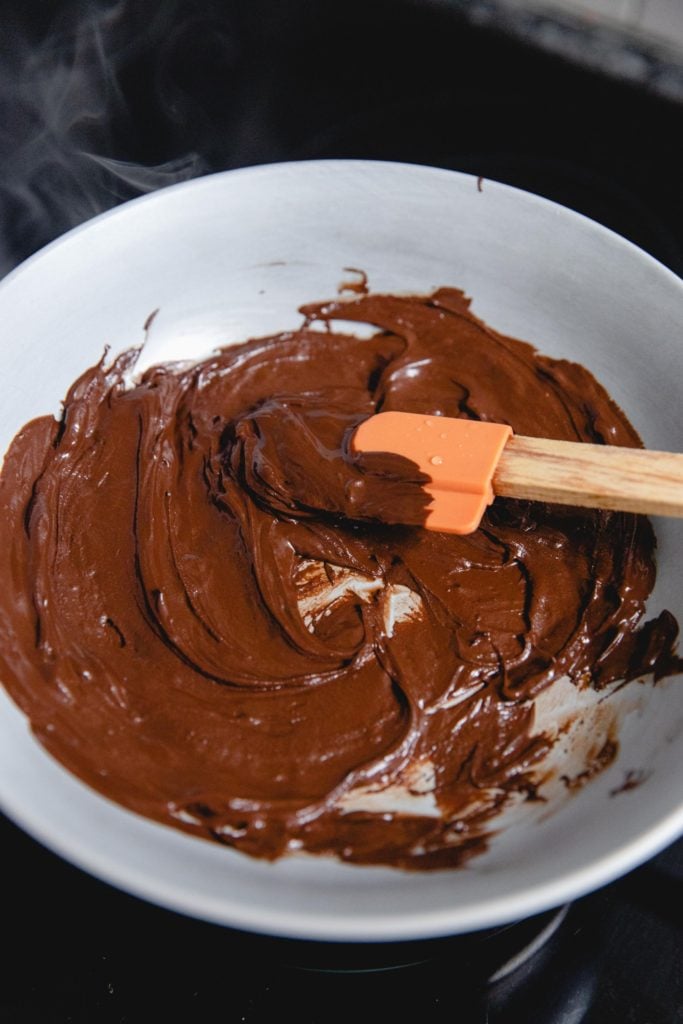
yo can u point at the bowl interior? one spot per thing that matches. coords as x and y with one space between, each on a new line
231 256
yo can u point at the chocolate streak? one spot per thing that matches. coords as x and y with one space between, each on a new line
196 610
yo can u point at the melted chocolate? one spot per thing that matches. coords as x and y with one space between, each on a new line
208 615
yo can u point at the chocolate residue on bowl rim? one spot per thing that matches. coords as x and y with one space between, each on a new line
633 778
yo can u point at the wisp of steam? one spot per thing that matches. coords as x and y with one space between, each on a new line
63 119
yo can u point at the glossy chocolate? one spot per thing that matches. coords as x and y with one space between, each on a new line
210 614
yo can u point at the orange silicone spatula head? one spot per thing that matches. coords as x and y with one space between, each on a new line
459 457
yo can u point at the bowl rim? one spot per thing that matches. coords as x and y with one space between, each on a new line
286 166
288 924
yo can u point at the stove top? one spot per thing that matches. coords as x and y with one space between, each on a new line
82 952
100 101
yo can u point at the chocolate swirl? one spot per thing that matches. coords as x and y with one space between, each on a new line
210 614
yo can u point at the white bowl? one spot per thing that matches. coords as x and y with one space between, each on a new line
233 255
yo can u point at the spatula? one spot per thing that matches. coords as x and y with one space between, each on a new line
470 462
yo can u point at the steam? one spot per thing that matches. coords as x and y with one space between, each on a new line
146 179
65 123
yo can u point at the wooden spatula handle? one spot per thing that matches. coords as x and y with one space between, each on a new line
592 475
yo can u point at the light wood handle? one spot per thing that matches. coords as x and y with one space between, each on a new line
592 475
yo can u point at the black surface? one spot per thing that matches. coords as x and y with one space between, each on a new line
215 84
186 88
83 952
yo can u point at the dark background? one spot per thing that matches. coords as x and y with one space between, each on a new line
102 101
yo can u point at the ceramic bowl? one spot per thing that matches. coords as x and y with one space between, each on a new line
230 256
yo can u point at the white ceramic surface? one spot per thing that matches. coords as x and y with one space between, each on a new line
230 256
